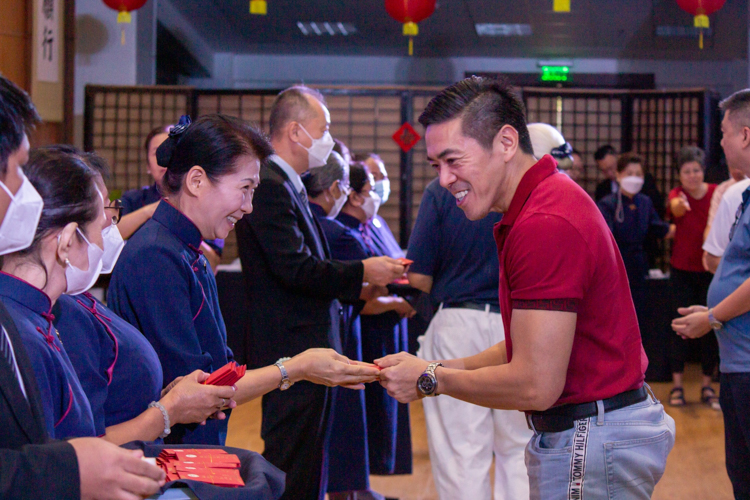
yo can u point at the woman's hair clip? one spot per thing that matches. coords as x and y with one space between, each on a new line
565 150
181 127
165 152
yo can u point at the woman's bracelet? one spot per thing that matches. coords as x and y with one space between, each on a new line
167 427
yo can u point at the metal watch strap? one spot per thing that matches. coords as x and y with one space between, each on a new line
165 415
432 367
715 323
285 382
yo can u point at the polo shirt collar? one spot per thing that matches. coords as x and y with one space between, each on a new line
542 169
24 293
289 171
178 224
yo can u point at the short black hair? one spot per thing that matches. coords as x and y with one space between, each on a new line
18 116
214 142
292 105
359 176
628 158
485 105
689 154
603 151
739 104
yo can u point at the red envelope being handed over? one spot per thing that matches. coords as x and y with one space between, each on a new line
228 374
404 261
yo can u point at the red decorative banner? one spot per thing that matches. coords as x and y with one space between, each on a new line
406 137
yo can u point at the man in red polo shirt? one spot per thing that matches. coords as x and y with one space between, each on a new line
572 357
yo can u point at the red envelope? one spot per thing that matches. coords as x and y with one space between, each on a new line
233 479
228 374
404 261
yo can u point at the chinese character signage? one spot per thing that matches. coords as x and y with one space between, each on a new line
48 40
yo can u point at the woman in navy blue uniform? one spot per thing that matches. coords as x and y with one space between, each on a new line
383 329
349 467
138 205
117 367
631 216
164 287
60 259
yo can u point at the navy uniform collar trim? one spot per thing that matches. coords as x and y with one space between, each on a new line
317 210
178 224
24 293
348 220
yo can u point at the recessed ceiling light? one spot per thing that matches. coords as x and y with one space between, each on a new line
495 29
326 28
681 31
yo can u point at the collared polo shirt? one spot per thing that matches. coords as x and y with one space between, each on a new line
557 253
733 271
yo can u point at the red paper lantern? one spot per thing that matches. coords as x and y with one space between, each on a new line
124 8
701 9
409 13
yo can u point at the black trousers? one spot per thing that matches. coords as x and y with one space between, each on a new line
735 400
690 288
296 429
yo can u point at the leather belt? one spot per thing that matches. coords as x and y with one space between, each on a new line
477 306
562 418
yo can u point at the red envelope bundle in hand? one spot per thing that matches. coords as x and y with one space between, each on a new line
228 374
213 466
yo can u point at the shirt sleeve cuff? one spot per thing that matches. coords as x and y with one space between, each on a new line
563 305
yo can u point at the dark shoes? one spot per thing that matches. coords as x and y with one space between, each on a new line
677 397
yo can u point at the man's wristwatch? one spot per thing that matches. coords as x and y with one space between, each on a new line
285 382
427 382
715 323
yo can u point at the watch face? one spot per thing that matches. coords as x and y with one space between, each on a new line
285 384
426 384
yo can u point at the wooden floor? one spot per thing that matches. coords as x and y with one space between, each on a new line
695 469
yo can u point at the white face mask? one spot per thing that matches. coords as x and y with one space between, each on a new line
79 280
19 226
371 205
383 188
317 153
113 245
632 184
338 203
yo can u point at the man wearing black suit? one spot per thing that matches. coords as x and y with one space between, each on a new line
606 161
32 465
293 287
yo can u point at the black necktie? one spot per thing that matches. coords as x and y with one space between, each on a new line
6 352
305 201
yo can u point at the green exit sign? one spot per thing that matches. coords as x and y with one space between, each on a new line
555 73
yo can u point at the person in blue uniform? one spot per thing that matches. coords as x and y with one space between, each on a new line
384 329
164 287
116 366
138 205
349 466
81 467
631 216
61 258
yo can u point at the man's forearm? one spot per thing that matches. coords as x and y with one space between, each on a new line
495 355
736 304
500 387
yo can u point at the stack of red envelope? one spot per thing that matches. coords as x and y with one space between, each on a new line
228 374
212 466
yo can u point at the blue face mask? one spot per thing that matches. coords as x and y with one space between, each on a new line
383 188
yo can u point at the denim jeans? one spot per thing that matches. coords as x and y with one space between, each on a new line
617 455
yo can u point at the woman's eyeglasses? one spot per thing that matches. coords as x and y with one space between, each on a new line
115 207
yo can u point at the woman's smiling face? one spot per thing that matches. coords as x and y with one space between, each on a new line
229 198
